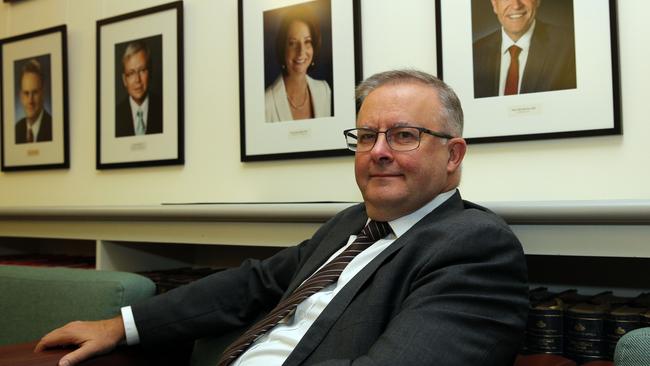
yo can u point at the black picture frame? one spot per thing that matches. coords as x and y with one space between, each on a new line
589 107
266 135
44 55
158 32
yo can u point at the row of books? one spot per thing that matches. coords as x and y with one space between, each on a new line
582 327
49 260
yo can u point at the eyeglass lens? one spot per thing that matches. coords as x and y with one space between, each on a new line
399 138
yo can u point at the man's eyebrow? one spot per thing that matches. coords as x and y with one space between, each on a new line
396 124
403 124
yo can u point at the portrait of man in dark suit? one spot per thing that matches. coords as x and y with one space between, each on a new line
525 54
36 126
139 112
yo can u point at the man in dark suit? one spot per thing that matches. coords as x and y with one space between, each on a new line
445 286
36 126
540 57
141 112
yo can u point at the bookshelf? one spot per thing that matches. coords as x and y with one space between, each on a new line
139 238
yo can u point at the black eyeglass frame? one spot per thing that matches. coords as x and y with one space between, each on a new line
441 135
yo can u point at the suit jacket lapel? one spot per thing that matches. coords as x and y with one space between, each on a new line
281 101
334 240
537 56
335 308
45 132
493 63
130 130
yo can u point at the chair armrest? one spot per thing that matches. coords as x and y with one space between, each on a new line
23 355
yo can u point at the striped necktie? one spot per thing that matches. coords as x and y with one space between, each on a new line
325 276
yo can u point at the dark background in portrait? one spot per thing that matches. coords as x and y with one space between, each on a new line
46 68
555 12
323 69
154 44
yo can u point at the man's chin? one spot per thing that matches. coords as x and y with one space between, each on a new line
384 198
139 98
385 209
31 116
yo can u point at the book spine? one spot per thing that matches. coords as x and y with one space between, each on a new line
616 326
585 336
544 331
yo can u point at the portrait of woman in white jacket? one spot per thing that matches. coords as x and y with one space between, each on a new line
294 95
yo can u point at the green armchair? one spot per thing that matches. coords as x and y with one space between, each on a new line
35 300
633 349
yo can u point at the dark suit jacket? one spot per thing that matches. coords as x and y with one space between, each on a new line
124 117
551 63
451 291
44 132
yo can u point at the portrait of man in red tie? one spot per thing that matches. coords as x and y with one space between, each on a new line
528 47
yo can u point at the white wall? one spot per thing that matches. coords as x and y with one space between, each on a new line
396 34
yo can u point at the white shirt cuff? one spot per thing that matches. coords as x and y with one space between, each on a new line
132 336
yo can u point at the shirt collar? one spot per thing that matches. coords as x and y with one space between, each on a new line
37 123
143 106
523 42
403 224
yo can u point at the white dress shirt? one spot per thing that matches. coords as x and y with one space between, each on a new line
35 127
274 347
524 44
144 107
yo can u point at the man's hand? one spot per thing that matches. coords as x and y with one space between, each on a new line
93 338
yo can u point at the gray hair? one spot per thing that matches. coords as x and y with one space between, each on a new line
133 48
452 112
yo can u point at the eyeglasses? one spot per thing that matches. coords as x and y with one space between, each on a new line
400 138
133 72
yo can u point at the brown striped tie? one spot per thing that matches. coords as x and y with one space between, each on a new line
327 275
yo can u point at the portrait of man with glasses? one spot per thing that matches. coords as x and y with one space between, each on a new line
139 111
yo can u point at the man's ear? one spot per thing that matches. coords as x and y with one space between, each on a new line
457 149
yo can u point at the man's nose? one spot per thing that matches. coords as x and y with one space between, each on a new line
381 150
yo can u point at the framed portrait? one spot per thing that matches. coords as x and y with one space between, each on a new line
34 94
140 88
546 69
299 64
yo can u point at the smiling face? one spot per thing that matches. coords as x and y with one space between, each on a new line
299 50
516 16
136 76
31 95
394 184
